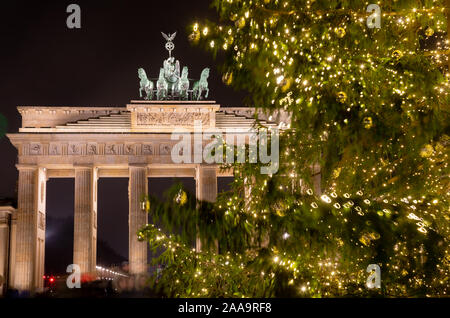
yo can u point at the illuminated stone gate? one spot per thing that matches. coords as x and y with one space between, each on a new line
88 143
134 142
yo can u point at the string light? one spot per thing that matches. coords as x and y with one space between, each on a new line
367 104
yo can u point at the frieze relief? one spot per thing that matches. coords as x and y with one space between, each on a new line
147 149
92 149
55 150
164 150
35 149
171 119
129 150
111 149
74 149
95 149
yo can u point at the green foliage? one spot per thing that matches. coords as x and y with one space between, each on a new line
3 125
326 251
370 108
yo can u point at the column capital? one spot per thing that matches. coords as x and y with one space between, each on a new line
8 209
207 166
20 166
137 165
83 166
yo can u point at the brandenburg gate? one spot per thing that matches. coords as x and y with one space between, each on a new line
88 143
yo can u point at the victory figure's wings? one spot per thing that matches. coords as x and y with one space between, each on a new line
170 37
165 36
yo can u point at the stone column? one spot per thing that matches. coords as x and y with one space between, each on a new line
12 251
138 218
85 223
206 183
5 241
30 237
206 188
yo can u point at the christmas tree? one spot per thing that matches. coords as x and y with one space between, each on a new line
366 87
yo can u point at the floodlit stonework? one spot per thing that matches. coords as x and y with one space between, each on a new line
88 143
7 233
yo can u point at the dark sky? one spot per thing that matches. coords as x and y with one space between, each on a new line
44 63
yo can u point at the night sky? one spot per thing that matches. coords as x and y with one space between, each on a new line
43 63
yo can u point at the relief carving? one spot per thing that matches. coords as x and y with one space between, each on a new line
74 149
147 149
41 221
172 119
164 150
129 149
111 149
54 150
92 149
35 149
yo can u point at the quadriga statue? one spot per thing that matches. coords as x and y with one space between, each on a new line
183 84
146 85
161 86
172 75
202 85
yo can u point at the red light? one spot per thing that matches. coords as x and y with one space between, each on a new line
43 277
52 280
